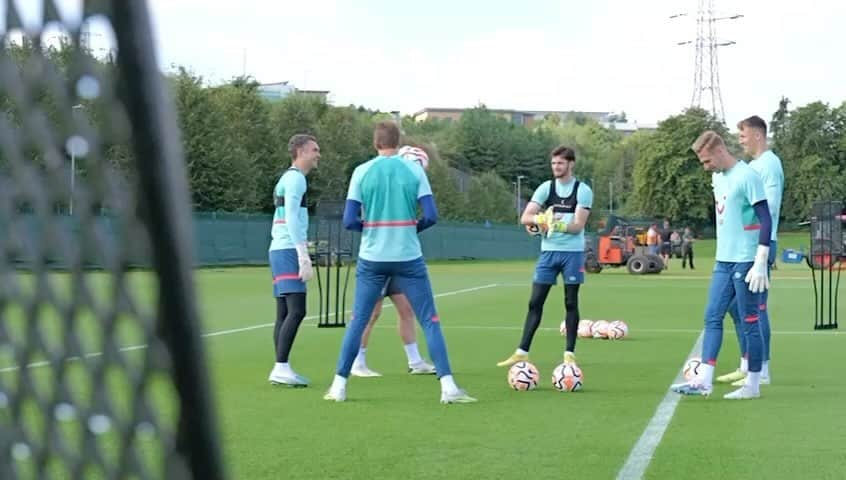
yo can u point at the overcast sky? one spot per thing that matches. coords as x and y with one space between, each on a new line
599 55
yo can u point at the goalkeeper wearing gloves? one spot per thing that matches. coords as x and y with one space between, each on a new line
740 272
290 263
567 202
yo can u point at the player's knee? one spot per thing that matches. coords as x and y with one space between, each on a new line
406 314
571 297
296 306
539 293
751 324
535 303
377 310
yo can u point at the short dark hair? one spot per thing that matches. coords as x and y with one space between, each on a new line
565 152
386 135
299 141
753 122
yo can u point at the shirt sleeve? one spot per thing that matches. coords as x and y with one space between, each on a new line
354 191
584 197
773 180
753 188
423 188
541 194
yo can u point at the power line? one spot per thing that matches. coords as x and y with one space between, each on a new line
706 73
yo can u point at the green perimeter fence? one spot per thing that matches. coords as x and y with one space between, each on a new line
226 239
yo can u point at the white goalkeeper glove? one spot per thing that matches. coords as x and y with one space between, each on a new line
757 277
304 261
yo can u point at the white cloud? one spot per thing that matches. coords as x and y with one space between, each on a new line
601 55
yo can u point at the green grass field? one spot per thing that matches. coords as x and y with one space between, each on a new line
394 426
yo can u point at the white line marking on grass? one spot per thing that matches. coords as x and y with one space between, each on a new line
312 317
642 452
728 331
653 281
70 359
15 368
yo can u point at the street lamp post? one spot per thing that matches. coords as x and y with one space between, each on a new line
611 196
519 197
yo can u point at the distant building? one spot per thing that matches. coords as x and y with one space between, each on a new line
628 128
280 90
520 117
608 120
275 91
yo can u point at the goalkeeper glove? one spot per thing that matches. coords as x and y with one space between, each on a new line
557 227
757 277
544 219
304 261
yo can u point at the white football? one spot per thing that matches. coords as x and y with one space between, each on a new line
617 330
599 329
567 377
523 376
692 368
585 328
415 154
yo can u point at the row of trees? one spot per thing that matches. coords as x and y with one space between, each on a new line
235 145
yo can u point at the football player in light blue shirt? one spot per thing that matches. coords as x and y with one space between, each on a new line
416 364
290 263
560 207
740 272
753 138
382 202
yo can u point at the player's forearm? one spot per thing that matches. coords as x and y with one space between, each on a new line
579 221
352 216
530 214
575 227
528 218
762 211
430 213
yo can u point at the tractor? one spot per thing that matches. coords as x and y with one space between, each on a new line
619 243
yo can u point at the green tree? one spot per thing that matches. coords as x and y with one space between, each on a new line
811 141
490 198
668 178
622 177
480 141
251 156
345 137
204 138
451 202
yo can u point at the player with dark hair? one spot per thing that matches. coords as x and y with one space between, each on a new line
565 203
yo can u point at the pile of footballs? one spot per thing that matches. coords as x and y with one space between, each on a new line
607 329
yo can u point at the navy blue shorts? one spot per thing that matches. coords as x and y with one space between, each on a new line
390 288
285 271
571 266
